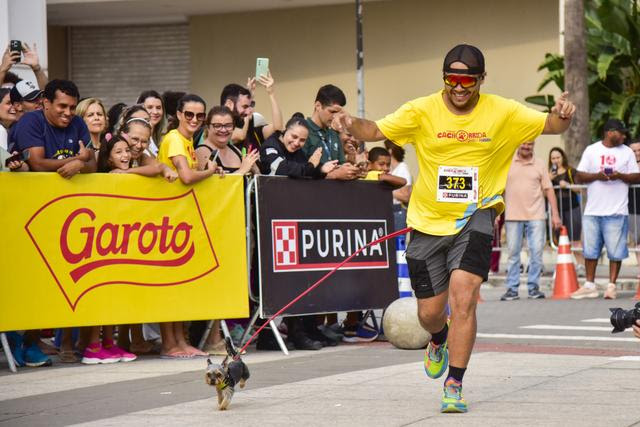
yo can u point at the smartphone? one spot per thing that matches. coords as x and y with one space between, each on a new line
608 170
262 67
24 156
16 46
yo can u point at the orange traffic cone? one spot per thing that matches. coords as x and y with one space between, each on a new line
566 281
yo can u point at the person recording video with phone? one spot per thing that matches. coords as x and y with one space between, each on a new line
20 52
218 147
607 167
563 175
250 130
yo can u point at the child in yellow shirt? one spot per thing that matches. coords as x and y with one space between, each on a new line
379 167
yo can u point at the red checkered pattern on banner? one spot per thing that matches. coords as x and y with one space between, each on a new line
286 244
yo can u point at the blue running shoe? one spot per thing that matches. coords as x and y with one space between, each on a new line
33 356
452 400
361 333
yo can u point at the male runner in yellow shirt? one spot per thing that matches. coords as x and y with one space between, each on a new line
464 142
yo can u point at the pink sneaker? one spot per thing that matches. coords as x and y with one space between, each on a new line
92 357
110 347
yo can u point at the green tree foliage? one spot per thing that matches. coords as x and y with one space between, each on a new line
613 57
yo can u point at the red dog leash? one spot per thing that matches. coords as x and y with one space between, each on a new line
322 279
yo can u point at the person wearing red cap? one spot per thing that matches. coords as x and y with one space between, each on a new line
464 141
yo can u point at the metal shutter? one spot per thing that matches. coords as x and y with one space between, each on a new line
116 63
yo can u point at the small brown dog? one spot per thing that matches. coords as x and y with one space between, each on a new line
225 376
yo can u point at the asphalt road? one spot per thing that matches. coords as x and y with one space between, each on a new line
526 348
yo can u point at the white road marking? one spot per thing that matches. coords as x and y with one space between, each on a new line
555 337
597 320
627 358
570 328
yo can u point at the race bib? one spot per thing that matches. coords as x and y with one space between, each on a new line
457 184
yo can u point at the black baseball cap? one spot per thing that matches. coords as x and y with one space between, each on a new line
469 55
615 124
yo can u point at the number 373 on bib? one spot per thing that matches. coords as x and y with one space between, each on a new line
457 184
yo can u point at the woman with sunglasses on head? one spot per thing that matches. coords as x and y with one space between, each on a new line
176 148
562 175
177 152
152 102
218 147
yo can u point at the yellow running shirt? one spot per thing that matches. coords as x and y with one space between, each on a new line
175 144
463 160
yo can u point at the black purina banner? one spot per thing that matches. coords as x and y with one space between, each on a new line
306 228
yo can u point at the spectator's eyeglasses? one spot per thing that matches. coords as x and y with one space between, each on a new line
465 81
189 115
219 126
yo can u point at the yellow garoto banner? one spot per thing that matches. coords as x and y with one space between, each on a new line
104 249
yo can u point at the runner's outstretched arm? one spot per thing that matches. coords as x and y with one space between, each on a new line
363 129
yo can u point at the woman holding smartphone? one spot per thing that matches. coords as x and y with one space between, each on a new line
562 175
218 147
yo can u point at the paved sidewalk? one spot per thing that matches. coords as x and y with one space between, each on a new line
364 385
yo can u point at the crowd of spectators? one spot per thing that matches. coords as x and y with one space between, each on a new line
175 136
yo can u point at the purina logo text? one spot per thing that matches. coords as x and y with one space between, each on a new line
308 245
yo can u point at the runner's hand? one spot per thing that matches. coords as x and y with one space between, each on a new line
564 108
341 120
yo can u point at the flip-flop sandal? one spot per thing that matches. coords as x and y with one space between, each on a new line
176 355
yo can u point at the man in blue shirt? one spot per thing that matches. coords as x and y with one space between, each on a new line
54 136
